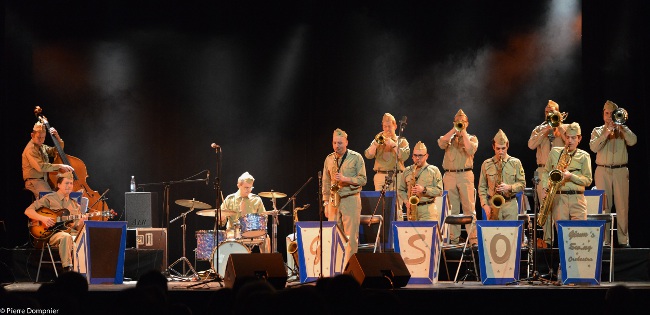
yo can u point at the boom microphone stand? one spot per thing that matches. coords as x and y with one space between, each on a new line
382 197
398 205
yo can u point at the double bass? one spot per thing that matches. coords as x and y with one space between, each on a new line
79 174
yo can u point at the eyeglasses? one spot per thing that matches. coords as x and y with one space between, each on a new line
419 156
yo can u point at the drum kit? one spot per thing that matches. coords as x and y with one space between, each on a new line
249 231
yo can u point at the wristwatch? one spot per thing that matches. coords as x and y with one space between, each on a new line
424 191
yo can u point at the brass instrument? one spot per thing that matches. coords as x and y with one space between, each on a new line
555 118
413 199
379 138
459 125
555 181
497 200
334 189
619 116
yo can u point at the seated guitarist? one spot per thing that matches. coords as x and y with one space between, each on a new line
60 236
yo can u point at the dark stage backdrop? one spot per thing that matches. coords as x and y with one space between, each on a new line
143 88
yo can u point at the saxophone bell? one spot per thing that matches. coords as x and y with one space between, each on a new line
414 200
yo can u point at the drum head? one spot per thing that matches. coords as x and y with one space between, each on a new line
224 250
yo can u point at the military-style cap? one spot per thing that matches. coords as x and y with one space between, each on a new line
38 127
340 133
246 177
65 175
553 104
573 129
610 105
388 117
460 113
420 146
500 138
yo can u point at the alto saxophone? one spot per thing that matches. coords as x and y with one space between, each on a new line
497 200
334 189
413 199
555 181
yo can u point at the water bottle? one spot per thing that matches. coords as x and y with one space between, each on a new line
132 183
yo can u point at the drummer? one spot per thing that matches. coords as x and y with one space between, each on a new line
242 203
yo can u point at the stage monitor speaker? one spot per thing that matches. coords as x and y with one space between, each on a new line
243 267
378 270
141 210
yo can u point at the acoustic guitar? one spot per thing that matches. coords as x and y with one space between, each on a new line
64 221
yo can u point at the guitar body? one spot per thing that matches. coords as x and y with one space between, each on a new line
40 232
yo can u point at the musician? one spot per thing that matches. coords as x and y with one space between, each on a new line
244 202
392 153
458 179
569 202
423 181
56 201
36 160
503 175
543 138
344 175
610 142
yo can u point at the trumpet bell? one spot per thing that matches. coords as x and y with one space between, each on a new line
379 138
459 125
619 116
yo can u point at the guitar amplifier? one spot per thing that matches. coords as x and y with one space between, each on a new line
153 238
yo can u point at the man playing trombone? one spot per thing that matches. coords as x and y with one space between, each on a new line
420 186
502 177
610 142
388 152
544 137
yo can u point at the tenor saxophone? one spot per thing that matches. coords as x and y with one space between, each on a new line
555 181
497 200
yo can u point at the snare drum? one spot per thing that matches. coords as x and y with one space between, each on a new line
252 225
225 249
205 242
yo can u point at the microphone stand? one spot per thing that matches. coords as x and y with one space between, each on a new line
402 125
321 209
292 199
382 196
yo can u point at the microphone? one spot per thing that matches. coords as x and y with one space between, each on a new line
320 175
215 146
403 121
207 177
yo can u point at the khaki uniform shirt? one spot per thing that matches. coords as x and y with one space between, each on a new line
611 149
429 177
36 161
385 157
457 156
512 173
538 140
242 205
580 168
353 167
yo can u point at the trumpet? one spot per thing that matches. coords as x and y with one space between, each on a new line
459 125
379 138
555 118
619 116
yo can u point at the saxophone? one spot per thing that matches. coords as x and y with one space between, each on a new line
413 199
334 189
497 200
555 181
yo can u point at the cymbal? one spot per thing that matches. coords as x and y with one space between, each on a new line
272 194
193 203
270 212
212 212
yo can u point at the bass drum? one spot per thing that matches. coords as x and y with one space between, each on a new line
224 250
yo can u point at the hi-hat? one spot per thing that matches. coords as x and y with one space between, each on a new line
193 204
272 194
213 212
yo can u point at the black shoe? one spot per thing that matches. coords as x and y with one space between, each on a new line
67 269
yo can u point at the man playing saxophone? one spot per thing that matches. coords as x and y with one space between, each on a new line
574 164
420 186
502 177
543 138
388 152
344 175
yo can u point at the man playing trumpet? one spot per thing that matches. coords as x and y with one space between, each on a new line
502 177
388 152
420 186
610 142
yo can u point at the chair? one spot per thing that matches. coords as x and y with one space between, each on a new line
369 220
609 220
47 261
459 220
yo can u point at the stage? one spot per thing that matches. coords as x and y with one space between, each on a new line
528 297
